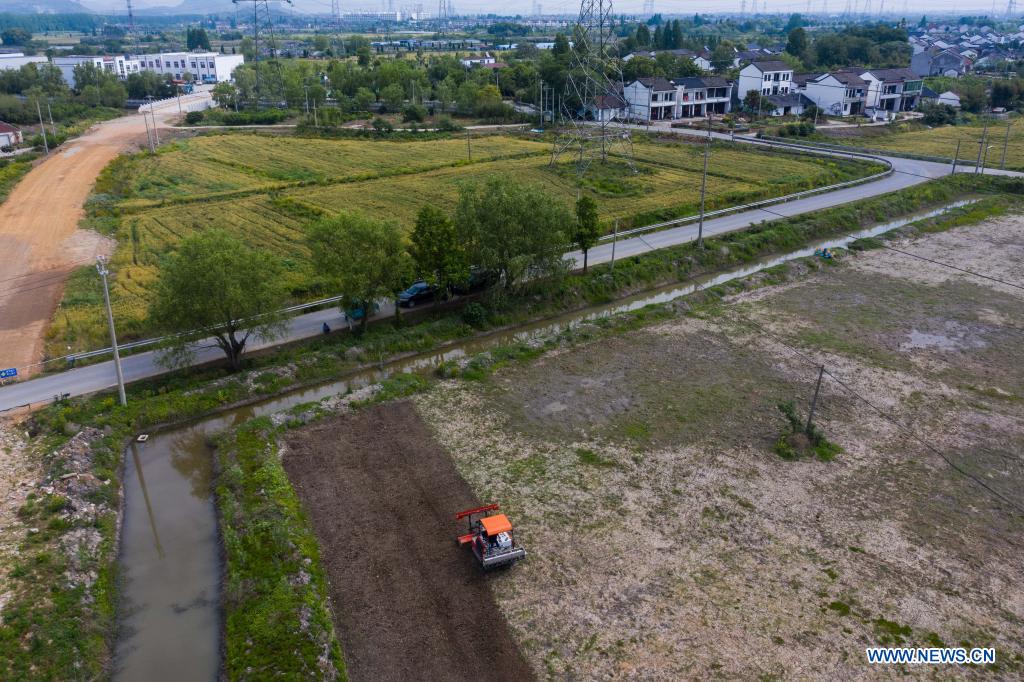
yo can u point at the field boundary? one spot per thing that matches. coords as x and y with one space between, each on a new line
869 150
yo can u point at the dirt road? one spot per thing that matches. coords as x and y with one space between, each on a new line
408 603
39 241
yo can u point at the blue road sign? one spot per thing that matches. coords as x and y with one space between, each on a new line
8 373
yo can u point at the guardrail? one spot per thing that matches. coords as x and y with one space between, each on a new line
869 151
756 204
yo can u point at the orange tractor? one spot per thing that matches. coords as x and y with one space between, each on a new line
490 536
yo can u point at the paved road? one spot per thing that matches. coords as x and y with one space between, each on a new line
80 381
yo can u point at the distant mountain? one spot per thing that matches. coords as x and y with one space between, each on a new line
191 7
43 7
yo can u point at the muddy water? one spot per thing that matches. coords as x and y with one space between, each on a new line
170 620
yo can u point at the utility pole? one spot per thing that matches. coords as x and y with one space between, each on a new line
149 135
156 135
981 147
178 89
615 238
956 157
814 400
53 128
46 145
703 187
1006 141
984 159
101 267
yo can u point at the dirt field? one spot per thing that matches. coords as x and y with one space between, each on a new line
667 539
408 603
39 238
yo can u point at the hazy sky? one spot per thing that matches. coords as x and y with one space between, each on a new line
913 7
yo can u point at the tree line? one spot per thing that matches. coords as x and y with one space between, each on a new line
217 283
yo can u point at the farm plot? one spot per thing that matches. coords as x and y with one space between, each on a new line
277 185
667 539
942 141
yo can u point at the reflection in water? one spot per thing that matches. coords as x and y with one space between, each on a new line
191 458
145 495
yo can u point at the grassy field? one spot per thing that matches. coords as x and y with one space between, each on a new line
11 171
916 138
268 188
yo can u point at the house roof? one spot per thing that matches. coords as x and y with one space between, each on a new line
657 83
7 128
771 65
801 78
928 92
789 99
700 82
847 77
893 75
609 101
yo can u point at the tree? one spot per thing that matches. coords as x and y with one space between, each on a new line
561 46
393 96
363 99
643 35
15 36
587 227
722 58
225 95
197 39
796 43
795 21
439 256
754 101
512 230
363 259
217 286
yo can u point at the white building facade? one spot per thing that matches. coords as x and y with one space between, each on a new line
770 77
16 60
204 67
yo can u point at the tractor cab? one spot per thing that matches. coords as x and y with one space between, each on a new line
490 537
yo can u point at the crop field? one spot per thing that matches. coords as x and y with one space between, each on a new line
942 141
668 540
268 188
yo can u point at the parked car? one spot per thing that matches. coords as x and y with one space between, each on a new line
417 293
358 311
479 278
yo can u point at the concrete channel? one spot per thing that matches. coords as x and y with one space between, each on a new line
170 616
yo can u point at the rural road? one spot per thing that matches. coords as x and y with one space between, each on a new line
39 238
83 380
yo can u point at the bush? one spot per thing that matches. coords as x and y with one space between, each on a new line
447 124
413 113
382 126
475 315
803 439
193 117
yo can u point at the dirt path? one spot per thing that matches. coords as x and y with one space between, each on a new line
39 241
408 604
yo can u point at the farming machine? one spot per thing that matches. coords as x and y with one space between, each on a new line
490 537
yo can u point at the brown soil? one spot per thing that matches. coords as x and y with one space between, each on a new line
36 225
408 602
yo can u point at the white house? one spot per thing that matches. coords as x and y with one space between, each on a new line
698 96
949 97
483 60
608 107
892 89
770 77
16 60
9 135
839 93
651 99
205 67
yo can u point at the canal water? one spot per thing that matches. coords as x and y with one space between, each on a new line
169 621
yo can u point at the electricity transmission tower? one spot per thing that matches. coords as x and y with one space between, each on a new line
131 24
649 7
263 23
1011 7
594 82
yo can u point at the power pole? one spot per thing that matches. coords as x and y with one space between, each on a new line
49 112
152 113
149 136
981 146
615 238
1006 141
703 188
956 157
814 400
101 267
46 145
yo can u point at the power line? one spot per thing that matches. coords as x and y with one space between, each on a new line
953 267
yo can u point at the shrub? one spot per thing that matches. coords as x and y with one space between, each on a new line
475 315
447 124
413 113
193 117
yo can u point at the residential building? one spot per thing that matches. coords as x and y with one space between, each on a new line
698 96
651 99
480 60
608 108
16 60
700 59
786 104
205 67
939 62
9 135
839 93
949 97
770 77
892 89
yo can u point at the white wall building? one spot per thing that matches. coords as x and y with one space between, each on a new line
16 60
118 65
839 93
205 67
770 77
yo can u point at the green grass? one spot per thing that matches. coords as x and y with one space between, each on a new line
11 171
277 621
